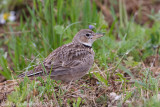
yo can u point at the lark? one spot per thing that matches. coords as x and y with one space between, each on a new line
69 62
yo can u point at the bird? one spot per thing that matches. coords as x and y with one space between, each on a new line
69 62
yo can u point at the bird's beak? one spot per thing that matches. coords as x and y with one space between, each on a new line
98 35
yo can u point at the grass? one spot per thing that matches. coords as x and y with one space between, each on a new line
119 62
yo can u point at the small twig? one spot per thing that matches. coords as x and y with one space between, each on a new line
69 85
104 76
94 102
128 51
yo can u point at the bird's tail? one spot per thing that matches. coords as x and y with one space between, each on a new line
25 74
31 73
37 71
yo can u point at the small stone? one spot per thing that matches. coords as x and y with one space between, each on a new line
112 95
117 97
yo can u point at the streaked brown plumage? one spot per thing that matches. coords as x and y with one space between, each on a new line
68 62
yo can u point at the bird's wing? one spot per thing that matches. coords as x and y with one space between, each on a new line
71 61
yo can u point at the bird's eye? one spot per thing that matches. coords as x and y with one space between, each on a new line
87 34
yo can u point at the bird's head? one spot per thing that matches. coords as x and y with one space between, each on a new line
86 37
